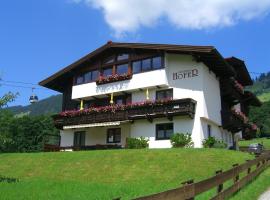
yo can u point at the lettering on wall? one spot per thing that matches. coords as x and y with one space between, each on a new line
185 74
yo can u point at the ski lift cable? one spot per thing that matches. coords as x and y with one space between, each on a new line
17 82
21 86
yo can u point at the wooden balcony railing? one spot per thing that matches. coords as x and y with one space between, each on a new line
232 121
231 91
180 107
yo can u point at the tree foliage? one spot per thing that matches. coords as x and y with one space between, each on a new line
7 98
24 134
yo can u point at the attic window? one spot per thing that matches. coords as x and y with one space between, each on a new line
123 56
109 60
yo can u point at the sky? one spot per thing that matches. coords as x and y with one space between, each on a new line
40 37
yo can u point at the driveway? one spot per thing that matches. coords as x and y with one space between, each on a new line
265 196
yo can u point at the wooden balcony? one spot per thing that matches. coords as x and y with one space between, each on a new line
232 122
229 92
180 107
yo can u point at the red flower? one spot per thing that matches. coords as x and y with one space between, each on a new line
113 108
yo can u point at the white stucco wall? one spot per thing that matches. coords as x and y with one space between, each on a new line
146 129
141 80
203 88
94 136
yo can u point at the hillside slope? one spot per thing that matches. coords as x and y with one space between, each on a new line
261 115
49 105
261 87
108 174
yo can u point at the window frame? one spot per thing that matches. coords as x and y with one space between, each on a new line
151 64
116 68
165 90
81 140
108 67
209 130
114 133
164 125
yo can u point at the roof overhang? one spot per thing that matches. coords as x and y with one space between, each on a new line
241 70
207 54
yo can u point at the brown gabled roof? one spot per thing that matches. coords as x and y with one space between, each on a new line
207 54
242 74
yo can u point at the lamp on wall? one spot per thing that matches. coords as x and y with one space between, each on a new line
147 94
81 105
111 101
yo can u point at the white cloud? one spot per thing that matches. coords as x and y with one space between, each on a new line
125 16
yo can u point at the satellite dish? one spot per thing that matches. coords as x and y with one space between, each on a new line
33 98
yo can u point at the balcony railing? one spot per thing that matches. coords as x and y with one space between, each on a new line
148 110
234 121
231 90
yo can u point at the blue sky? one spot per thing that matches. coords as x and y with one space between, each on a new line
39 37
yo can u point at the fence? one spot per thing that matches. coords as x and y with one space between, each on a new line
190 190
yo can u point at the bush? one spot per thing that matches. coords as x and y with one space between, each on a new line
181 140
209 142
137 143
220 144
212 142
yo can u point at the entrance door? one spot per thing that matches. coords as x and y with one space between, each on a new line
79 138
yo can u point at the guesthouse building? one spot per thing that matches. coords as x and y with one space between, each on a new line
129 90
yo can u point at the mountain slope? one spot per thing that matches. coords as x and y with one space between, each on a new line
49 105
261 87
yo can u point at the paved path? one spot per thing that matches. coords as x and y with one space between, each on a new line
265 196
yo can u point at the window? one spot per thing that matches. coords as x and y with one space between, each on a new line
87 77
136 67
79 138
164 131
109 60
95 75
107 71
122 69
209 130
164 94
80 79
157 63
114 135
146 65
123 56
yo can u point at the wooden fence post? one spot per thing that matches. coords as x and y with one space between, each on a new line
186 183
236 178
220 187
249 169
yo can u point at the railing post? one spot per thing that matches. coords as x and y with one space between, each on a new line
259 163
186 183
236 178
249 169
220 187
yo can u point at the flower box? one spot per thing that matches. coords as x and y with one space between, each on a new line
113 78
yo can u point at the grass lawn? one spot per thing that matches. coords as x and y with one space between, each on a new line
265 141
109 174
255 188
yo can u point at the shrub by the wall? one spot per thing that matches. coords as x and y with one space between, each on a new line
179 140
212 142
137 143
